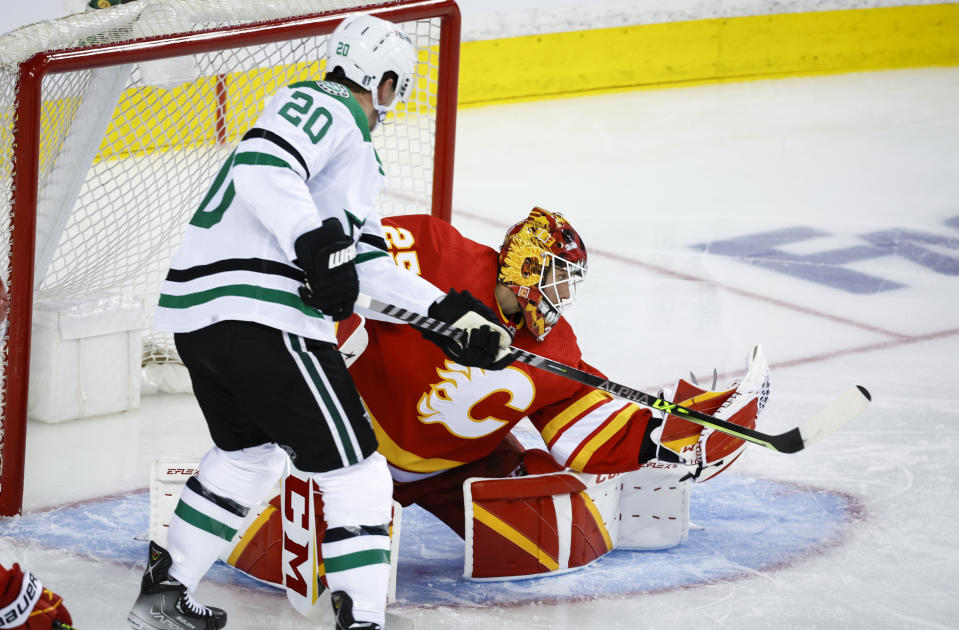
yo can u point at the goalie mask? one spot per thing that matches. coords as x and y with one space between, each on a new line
542 260
366 48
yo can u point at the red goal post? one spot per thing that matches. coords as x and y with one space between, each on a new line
111 136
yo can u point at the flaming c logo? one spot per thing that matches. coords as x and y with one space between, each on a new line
451 401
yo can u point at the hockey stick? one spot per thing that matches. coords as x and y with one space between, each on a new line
838 412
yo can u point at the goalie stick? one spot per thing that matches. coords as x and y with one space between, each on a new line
835 414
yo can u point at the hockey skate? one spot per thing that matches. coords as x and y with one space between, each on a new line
165 604
343 609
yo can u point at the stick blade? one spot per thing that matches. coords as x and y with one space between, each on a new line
841 410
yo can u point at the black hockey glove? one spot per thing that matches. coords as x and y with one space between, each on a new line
487 344
327 256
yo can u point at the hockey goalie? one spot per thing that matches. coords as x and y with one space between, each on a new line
602 473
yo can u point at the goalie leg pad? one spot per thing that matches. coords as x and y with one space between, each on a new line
654 508
442 495
522 527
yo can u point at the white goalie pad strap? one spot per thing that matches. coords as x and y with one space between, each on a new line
654 508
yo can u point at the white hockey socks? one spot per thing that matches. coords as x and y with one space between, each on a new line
214 504
357 503
203 525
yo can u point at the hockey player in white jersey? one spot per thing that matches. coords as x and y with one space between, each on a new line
276 254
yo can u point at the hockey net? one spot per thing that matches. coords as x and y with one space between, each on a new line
114 122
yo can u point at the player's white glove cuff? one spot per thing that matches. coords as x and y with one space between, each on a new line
473 321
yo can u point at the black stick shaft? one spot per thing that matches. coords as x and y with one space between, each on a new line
789 442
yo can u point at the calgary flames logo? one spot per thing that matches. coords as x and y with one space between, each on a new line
451 401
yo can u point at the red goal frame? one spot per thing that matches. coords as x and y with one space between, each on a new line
26 135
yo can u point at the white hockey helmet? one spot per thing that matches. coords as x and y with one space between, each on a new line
368 47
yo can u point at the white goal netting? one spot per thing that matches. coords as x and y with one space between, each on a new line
125 143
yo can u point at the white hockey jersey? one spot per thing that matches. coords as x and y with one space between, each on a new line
308 158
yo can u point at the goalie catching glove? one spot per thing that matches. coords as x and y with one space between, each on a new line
24 603
707 452
487 343
327 256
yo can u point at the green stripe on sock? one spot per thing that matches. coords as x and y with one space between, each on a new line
356 560
200 520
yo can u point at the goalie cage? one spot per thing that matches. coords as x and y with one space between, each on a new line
114 122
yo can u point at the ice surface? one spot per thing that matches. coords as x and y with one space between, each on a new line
817 216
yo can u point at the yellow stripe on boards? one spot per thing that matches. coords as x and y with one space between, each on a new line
511 534
192 114
554 65
707 51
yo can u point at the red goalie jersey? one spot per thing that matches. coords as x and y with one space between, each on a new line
432 415
439 423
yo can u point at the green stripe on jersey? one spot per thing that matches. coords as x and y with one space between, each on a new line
201 521
256 158
250 291
202 218
356 560
362 258
328 401
343 95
